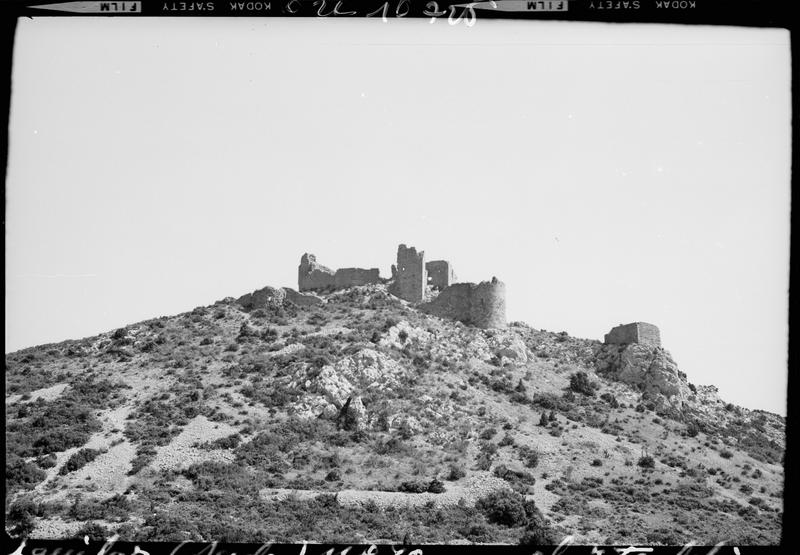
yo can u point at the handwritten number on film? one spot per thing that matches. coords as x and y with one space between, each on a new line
401 9
468 14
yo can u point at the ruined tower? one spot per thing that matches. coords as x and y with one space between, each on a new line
410 274
487 307
440 274
482 305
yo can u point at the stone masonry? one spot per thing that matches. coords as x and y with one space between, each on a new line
637 332
482 305
313 276
440 274
351 277
410 276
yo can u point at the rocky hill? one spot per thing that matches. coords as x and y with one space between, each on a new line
354 417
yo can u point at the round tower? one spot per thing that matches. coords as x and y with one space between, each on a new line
488 304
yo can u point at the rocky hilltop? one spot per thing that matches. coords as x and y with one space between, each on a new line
350 415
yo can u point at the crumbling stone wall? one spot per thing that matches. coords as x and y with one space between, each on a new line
637 332
410 276
482 305
440 274
350 277
312 276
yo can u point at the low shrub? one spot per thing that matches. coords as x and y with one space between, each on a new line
413 486
455 472
78 460
646 461
436 486
519 480
503 507
21 474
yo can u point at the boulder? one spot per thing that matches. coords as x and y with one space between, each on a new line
353 416
509 346
302 299
262 297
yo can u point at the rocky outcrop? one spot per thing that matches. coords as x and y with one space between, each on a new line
262 297
275 296
646 367
302 299
508 348
365 370
353 416
459 344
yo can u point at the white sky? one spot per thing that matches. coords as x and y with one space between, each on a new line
606 173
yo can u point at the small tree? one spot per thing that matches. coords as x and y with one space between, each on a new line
579 383
543 419
646 461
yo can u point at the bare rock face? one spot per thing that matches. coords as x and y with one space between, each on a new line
263 297
361 371
353 416
276 296
508 347
647 367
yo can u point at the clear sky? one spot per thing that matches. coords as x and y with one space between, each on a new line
606 173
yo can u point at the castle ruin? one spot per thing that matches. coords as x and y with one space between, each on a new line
429 285
637 332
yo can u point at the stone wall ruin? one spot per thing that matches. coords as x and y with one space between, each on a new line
482 305
410 276
313 276
440 274
351 277
637 332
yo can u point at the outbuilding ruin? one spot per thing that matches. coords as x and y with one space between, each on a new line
637 332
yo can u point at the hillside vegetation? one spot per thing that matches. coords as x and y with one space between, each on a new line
362 419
